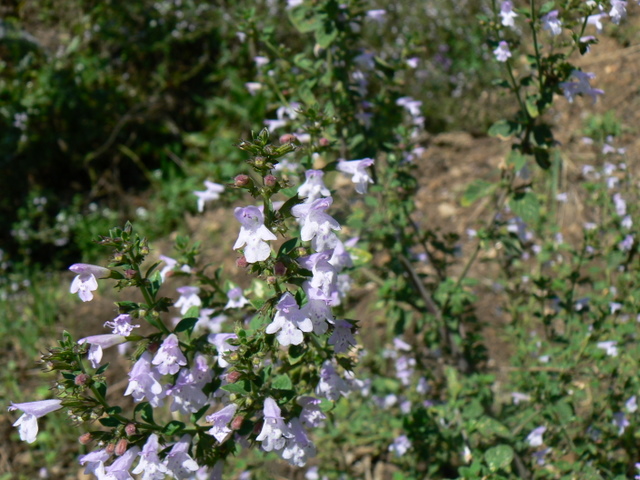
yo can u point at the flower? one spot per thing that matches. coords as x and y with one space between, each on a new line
618 11
119 469
274 432
316 224
290 321
298 448
28 423
150 465
97 343
253 234
502 52
313 187
85 282
582 86
221 341
220 421
357 169
188 298
609 347
121 325
212 192
400 445
169 357
179 463
507 14
342 338
236 298
552 23
187 393
620 421
534 439
144 381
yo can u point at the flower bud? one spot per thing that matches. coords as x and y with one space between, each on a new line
236 423
301 251
232 377
110 448
118 257
129 273
256 362
270 181
144 250
271 280
260 162
121 446
288 138
241 262
323 142
85 438
279 269
81 379
130 429
242 180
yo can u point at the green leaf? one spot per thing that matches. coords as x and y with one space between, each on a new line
326 33
488 427
517 160
526 206
499 457
242 387
453 382
288 246
303 19
282 382
174 427
476 190
532 106
146 412
504 129
109 422
186 325
296 354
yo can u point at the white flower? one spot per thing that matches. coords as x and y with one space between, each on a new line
502 52
28 422
253 234
212 192
534 439
86 282
357 168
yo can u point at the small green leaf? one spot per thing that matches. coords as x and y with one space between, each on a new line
517 160
282 382
174 427
499 457
146 412
526 206
109 422
532 106
186 325
242 387
288 246
504 129
476 190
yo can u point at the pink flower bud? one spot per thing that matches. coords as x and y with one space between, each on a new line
288 138
121 446
130 429
85 438
242 180
81 379
242 262
270 181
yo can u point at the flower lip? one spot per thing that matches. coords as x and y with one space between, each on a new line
88 269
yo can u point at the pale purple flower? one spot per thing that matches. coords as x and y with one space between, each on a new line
631 405
260 61
317 309
313 187
552 23
581 86
610 347
188 298
85 282
620 421
377 15
121 325
150 465
507 14
534 439
253 87
502 52
317 225
311 414
28 423
620 204
253 234
274 432
324 274
236 298
169 357
342 338
518 397
596 21
290 321
144 381
119 469
298 448
614 307
618 11
331 385
170 266
627 243
97 343
400 445
187 393
627 222
179 463
357 168
221 341
94 460
220 420
207 322
540 454
212 193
